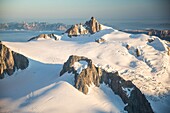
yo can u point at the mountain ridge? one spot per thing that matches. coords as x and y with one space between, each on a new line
129 93
34 26
139 58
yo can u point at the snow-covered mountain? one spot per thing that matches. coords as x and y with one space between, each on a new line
139 58
33 26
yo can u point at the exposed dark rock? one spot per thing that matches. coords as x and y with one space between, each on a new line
138 53
73 31
101 40
129 93
128 46
10 61
163 34
86 77
93 25
45 36
21 62
76 30
135 100
90 26
150 40
159 33
168 51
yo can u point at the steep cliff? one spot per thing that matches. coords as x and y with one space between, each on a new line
86 73
129 93
10 61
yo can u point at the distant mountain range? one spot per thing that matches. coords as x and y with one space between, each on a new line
35 26
163 34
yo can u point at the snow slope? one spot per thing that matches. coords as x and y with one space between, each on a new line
40 89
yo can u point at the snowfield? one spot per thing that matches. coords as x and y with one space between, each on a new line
40 89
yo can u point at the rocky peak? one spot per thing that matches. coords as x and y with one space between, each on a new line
46 36
86 76
73 31
10 61
92 26
129 93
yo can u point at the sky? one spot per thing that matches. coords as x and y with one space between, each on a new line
61 10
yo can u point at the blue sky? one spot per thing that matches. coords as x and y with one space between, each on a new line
51 10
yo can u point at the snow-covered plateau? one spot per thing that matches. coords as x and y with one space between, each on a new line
140 58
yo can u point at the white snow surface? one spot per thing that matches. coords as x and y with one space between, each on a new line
57 37
79 66
40 89
128 91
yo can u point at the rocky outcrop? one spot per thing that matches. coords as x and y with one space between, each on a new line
73 31
93 25
46 36
133 50
89 75
10 61
101 40
163 34
150 40
76 30
138 52
159 33
168 48
90 26
129 93
128 46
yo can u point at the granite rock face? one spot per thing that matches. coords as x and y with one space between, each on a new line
129 93
10 61
168 51
73 31
76 30
89 75
92 26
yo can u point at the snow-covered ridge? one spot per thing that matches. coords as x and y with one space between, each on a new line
93 75
45 37
149 72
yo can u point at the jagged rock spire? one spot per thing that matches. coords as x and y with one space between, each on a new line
92 26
